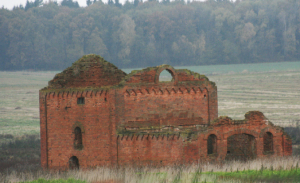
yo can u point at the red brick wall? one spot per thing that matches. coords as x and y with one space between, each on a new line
287 145
188 99
95 119
166 106
255 124
161 150
144 76
103 146
43 130
140 120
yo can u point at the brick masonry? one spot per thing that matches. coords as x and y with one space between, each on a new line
136 120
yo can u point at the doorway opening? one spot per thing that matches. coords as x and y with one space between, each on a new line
241 147
73 163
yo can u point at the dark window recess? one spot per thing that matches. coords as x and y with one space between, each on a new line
80 100
212 144
78 139
268 142
73 163
241 147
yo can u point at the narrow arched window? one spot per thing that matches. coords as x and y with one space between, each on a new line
78 138
212 144
268 142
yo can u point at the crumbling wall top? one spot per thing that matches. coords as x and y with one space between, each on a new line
92 71
89 71
253 117
151 75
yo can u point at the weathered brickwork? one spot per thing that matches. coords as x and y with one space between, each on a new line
93 114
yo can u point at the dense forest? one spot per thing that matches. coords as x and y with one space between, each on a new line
51 36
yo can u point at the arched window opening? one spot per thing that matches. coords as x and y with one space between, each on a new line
241 147
73 163
78 138
212 144
165 76
268 142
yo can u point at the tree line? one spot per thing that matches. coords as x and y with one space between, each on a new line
51 36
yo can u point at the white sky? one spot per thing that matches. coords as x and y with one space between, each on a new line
9 4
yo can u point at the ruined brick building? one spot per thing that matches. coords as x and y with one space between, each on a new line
94 114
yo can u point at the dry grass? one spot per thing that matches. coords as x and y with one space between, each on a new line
162 174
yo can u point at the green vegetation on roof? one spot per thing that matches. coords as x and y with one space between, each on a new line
84 63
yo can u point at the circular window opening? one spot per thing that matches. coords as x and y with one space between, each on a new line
165 76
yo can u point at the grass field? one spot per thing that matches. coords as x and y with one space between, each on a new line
19 107
260 170
273 88
276 94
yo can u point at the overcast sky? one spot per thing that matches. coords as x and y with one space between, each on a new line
11 3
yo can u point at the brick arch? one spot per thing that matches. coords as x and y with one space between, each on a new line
74 162
240 131
78 124
241 145
215 132
267 129
170 69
